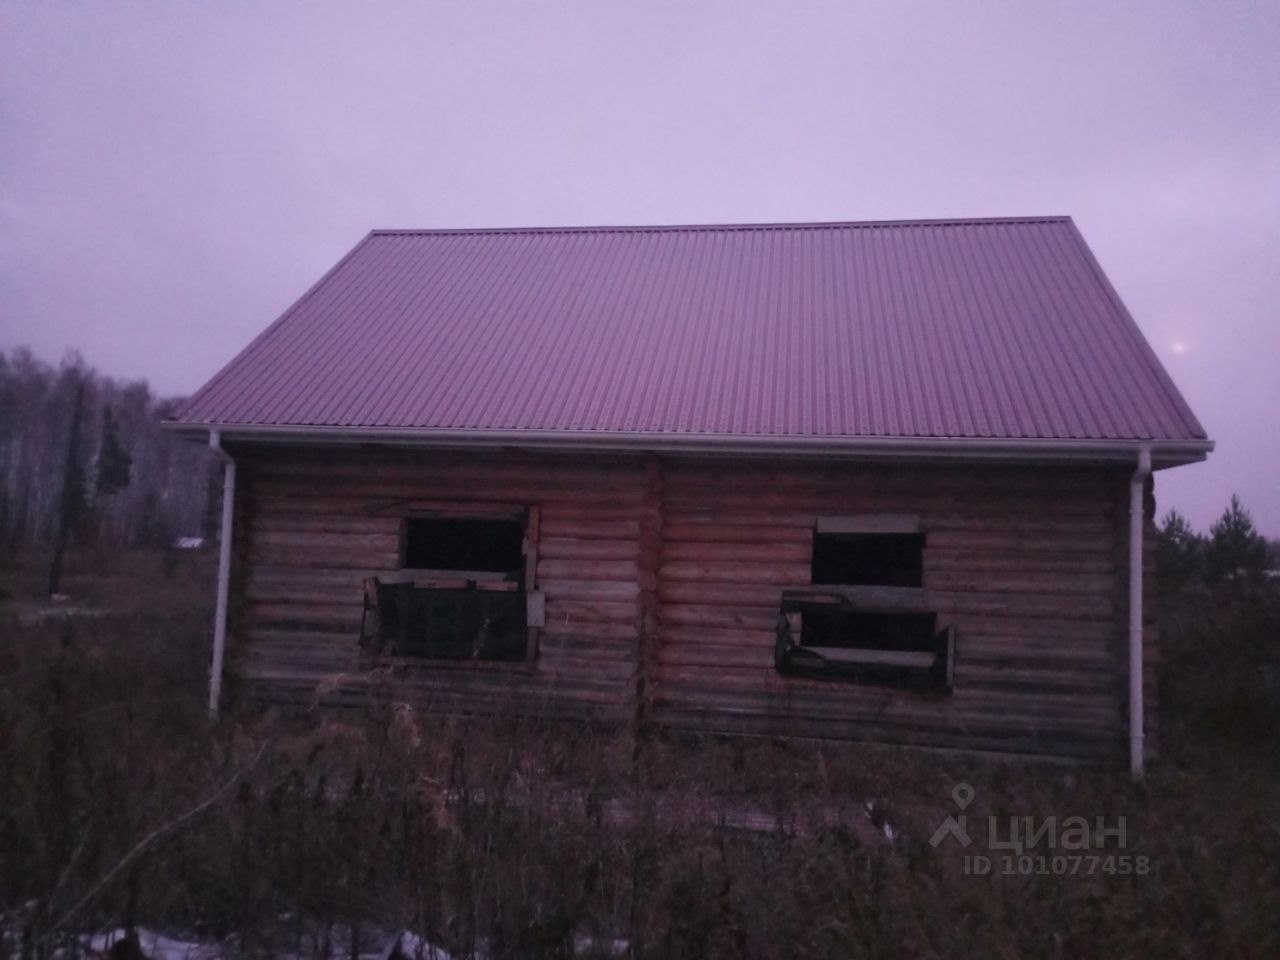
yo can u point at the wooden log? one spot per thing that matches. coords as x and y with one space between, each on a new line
673 635
592 669
576 612
383 508
596 633
475 468
937 560
597 570
389 492
719 533
587 647
703 615
342 543
716 656
973 540
577 548
1046 655
1023 604
588 525
263 522
881 480
793 551
1038 582
729 594
783 574
364 559
1024 678
560 590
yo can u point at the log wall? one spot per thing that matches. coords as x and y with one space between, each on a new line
663 577
313 525
1029 564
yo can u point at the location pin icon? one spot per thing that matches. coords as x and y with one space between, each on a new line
962 794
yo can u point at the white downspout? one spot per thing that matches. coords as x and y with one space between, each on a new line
1137 522
224 570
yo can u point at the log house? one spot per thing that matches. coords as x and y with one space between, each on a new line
859 481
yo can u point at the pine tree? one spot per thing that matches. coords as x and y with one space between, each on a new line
1235 553
149 530
72 504
1179 551
114 463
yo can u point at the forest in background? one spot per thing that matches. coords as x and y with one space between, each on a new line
131 482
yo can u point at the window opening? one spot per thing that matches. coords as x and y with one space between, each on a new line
462 595
868 559
452 543
866 616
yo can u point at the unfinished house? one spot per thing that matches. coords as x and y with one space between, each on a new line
885 481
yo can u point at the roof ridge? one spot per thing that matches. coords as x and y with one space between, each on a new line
719 227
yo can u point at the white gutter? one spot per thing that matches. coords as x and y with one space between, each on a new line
224 570
1137 522
1163 452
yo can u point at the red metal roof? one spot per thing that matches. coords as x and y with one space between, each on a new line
995 329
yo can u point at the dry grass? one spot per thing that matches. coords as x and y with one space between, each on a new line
515 838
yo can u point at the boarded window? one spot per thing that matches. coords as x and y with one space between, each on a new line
452 622
873 630
866 616
464 591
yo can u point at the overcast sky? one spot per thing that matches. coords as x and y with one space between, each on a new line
173 175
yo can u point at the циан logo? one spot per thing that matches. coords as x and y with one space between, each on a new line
953 826
1071 845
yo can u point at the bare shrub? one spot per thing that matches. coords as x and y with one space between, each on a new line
322 834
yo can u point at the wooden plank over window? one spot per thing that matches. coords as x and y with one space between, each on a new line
872 598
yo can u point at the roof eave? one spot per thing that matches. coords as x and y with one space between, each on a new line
1164 453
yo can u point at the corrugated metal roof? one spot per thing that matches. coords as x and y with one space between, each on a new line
994 329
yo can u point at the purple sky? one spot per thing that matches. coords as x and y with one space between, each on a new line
173 175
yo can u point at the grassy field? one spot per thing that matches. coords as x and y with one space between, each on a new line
318 835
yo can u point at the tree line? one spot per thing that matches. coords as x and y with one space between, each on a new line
1232 556
83 457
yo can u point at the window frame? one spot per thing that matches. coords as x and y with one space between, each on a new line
528 515
791 650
